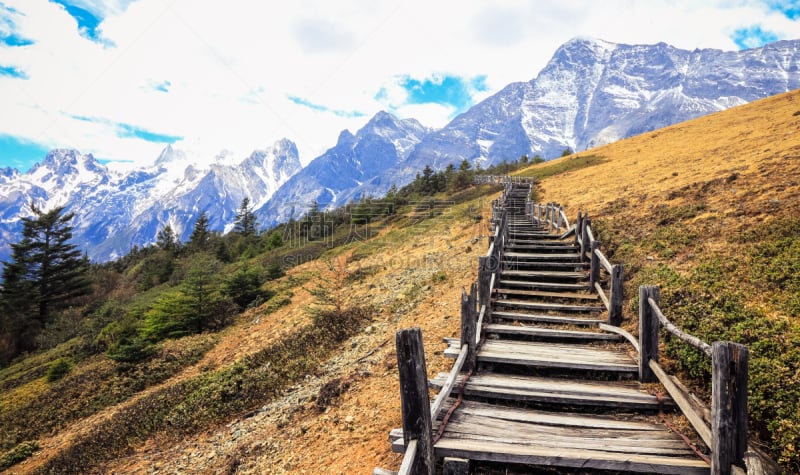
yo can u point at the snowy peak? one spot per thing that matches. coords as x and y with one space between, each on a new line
360 164
593 92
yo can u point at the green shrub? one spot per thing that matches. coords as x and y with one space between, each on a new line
58 369
19 453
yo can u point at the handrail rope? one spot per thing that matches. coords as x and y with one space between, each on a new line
691 340
452 409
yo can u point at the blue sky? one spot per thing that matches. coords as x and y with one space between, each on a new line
123 78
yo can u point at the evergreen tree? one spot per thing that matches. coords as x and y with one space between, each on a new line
46 274
166 239
245 223
201 235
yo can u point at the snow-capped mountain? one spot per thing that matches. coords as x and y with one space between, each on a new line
354 168
115 211
594 92
591 92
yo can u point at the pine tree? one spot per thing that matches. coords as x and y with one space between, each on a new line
46 273
166 239
201 236
245 223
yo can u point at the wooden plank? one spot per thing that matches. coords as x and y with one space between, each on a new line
408 465
619 331
552 274
729 362
656 441
601 293
528 354
603 261
703 430
542 247
541 293
690 339
545 285
447 388
618 394
549 332
540 256
415 405
527 317
555 419
531 455
567 351
544 265
556 307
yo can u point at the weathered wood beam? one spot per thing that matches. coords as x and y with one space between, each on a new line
729 363
414 400
648 333
615 298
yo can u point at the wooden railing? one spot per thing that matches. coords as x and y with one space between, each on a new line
550 214
726 435
723 429
601 270
501 179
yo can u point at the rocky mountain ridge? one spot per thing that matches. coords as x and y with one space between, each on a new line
592 92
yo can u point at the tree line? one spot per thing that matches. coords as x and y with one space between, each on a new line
48 285
51 292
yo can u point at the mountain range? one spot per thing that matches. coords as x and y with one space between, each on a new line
590 93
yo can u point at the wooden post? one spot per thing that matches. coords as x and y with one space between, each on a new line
615 299
585 237
728 406
414 399
648 333
578 224
468 329
594 272
558 218
484 279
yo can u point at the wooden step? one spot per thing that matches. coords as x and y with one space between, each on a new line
552 265
551 355
547 306
478 431
567 256
623 395
544 274
539 318
545 285
542 242
541 293
549 333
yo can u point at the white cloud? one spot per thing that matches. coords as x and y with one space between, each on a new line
221 75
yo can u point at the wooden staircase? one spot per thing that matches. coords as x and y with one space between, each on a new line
550 387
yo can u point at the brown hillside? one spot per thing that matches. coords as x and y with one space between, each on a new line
742 165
